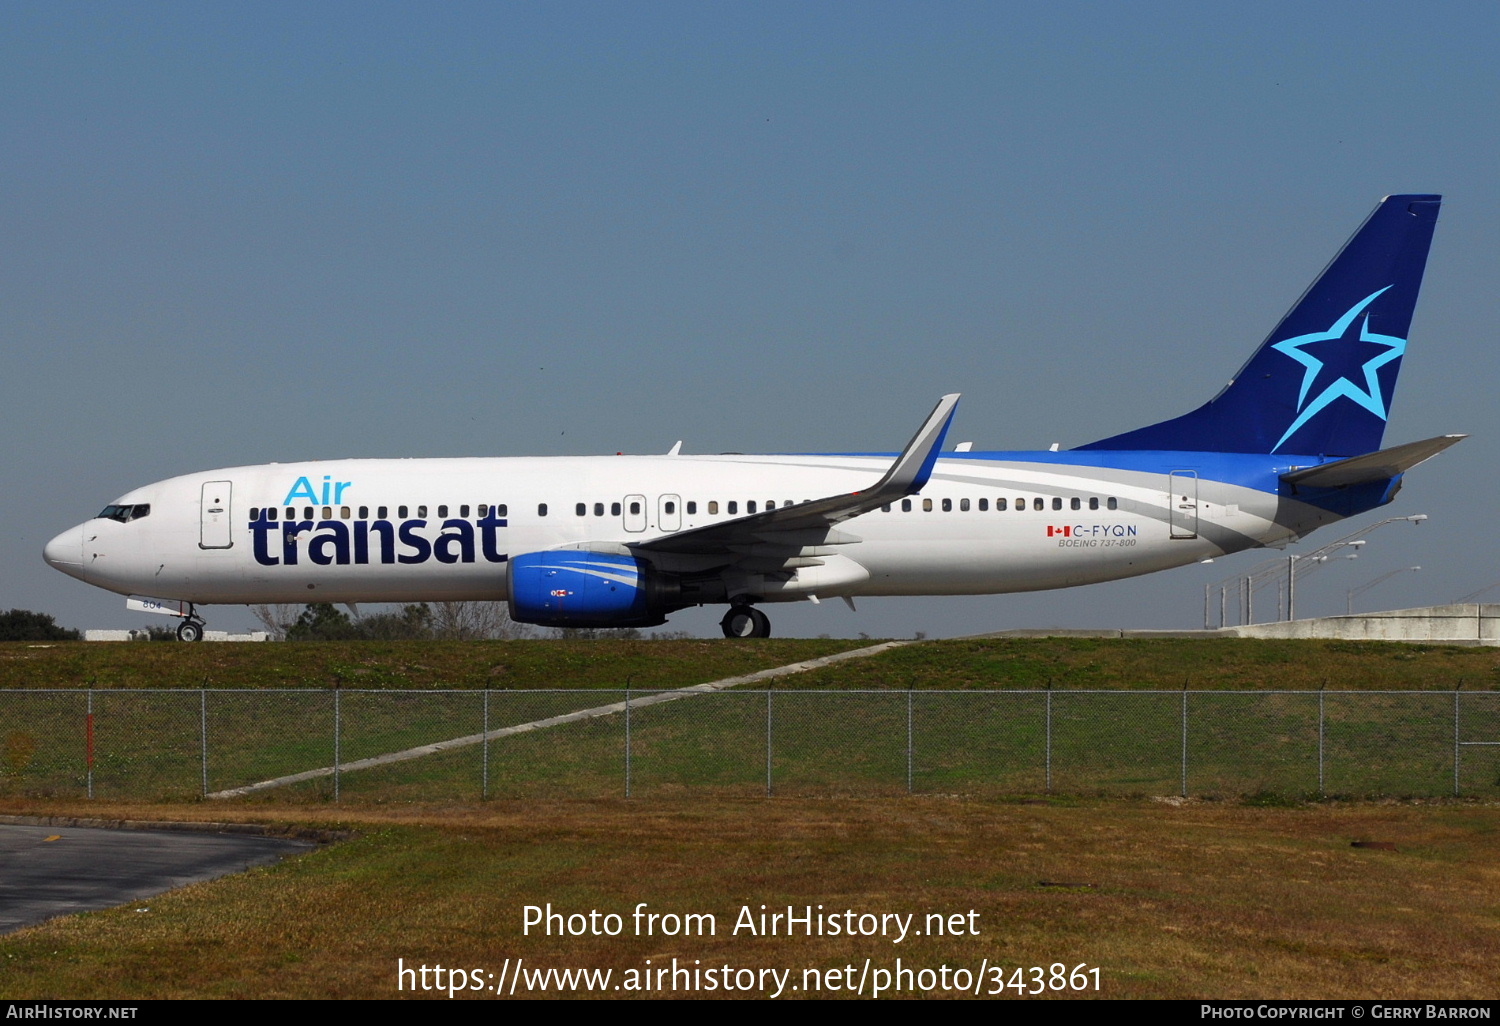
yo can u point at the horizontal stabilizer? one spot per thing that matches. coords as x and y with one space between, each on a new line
1374 466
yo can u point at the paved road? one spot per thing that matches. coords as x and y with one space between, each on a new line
54 871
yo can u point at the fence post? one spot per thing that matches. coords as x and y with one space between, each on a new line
1457 746
1322 791
337 738
203 732
1049 737
908 740
768 739
1184 739
88 728
484 747
627 739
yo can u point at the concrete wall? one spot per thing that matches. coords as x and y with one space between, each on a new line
1472 623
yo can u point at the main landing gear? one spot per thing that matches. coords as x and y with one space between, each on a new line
745 621
191 628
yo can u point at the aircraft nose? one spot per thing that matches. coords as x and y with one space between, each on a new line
65 552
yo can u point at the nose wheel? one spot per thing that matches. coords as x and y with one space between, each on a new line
744 621
190 629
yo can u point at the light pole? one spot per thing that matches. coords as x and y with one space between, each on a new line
1248 583
1311 557
1349 598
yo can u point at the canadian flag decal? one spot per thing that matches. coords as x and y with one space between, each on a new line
1065 531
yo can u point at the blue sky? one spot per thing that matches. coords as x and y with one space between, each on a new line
238 233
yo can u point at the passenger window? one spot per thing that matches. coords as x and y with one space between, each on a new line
1077 503
421 512
502 510
750 506
984 504
582 509
271 513
1113 503
671 508
307 513
364 512
732 506
443 512
344 513
1000 505
401 512
1093 502
926 505
692 507
1057 502
254 513
484 509
963 505
327 513
463 511
635 509
947 505
1038 503
541 509
598 509
614 509
291 513
713 507
906 505
886 508
382 512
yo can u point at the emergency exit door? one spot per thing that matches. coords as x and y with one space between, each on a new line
215 510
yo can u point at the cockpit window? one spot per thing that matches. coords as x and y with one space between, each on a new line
125 514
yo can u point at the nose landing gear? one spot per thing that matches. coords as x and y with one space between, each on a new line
745 621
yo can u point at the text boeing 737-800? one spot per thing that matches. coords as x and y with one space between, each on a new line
1292 443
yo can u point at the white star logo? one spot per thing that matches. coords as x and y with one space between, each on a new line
1368 397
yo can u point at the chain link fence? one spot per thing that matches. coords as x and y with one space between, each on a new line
392 746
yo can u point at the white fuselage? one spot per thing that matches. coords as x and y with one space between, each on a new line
444 529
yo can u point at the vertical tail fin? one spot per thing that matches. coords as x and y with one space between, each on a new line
1322 381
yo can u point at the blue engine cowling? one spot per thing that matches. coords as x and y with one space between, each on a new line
577 588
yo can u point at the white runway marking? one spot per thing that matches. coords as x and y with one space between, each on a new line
612 709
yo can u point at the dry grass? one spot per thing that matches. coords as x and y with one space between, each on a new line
1182 900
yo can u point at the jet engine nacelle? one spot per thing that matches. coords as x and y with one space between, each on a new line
582 588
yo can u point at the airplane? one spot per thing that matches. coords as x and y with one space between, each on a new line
1290 444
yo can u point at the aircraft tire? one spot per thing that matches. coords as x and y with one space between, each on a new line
744 621
190 630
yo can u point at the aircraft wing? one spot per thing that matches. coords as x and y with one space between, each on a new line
1373 466
809 523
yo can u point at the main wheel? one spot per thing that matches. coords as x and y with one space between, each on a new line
745 622
190 630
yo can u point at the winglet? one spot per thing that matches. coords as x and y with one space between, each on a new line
914 466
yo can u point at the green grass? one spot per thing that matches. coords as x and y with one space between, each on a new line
399 664
1220 664
148 745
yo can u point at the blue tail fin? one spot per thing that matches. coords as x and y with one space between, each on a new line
1321 383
